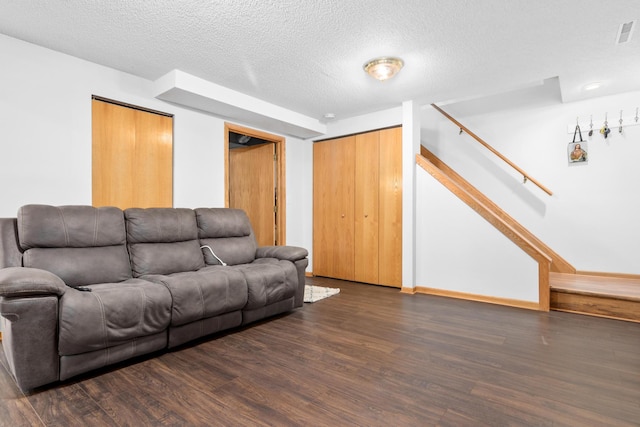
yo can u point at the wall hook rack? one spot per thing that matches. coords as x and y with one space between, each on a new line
626 120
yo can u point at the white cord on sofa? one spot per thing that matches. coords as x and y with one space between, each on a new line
213 253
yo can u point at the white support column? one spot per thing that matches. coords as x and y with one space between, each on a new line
410 147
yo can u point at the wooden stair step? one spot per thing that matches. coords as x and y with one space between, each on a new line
604 296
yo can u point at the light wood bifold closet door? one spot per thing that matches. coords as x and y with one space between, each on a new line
333 208
357 207
390 211
132 157
367 199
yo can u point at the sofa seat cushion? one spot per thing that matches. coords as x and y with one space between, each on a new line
205 293
111 314
269 280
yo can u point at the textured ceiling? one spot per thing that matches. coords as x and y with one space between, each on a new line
307 55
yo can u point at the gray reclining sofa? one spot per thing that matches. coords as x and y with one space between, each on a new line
84 287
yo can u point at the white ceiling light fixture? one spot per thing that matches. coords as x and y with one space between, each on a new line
592 86
383 68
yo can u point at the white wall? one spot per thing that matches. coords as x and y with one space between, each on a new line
363 123
592 218
299 155
459 251
45 150
198 160
45 108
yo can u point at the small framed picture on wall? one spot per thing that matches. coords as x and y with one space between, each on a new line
577 152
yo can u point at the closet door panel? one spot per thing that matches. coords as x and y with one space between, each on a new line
132 157
333 209
390 230
366 207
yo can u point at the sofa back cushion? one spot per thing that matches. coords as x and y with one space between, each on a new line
10 253
228 233
163 240
82 245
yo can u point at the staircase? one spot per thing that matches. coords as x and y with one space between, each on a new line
608 296
477 201
561 287
596 294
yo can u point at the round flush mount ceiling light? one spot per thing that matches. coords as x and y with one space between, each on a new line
383 68
592 86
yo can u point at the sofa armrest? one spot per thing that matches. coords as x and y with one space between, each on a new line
23 282
29 302
289 253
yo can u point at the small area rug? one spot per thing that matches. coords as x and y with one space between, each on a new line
316 293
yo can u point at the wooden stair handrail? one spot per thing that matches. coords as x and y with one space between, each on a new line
526 176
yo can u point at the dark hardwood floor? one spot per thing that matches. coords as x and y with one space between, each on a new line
369 356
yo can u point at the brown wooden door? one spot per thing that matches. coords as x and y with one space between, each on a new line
252 188
390 229
132 157
333 208
367 168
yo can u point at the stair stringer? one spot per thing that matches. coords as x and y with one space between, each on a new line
487 211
